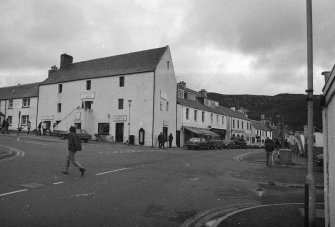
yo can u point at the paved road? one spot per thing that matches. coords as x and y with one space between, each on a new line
125 185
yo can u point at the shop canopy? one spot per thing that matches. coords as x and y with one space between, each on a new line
200 131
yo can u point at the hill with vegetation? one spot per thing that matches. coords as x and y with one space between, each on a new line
293 107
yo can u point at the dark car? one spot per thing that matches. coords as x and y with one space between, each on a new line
216 144
81 132
237 143
197 143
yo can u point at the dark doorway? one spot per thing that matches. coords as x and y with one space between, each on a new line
165 133
119 132
78 125
178 138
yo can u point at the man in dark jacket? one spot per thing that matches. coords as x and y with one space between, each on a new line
170 140
74 145
269 147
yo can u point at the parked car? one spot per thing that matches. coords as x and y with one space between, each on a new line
197 143
81 132
216 144
237 143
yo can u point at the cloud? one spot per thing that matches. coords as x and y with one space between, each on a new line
220 45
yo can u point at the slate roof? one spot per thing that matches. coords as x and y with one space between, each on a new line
136 62
260 126
19 91
200 106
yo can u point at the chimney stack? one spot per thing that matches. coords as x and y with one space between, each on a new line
326 74
53 69
182 84
65 60
203 92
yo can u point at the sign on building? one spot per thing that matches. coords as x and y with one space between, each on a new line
119 118
87 95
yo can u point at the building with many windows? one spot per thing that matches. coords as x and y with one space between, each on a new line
198 116
18 104
129 96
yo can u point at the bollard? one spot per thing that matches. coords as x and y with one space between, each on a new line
306 203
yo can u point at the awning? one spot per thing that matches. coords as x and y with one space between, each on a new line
200 131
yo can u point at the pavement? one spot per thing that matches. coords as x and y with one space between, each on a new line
267 214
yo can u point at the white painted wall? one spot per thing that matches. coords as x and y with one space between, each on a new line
14 112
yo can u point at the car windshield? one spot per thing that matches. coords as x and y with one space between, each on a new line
195 140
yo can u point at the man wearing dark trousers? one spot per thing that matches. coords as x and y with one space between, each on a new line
74 145
170 140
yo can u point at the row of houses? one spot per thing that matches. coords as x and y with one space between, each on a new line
132 95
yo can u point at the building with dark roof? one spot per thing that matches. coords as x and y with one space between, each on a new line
18 104
124 97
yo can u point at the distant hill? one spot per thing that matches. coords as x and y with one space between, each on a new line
293 107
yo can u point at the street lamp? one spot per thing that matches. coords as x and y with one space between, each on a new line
129 102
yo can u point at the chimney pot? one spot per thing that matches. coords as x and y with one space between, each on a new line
326 74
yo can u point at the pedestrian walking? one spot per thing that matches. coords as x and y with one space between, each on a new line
170 140
269 147
6 126
74 145
160 140
28 127
39 129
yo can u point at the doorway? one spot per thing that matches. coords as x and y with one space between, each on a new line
119 132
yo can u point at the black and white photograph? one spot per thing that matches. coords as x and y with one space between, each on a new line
181 113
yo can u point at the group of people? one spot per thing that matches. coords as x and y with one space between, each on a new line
162 139
270 146
42 128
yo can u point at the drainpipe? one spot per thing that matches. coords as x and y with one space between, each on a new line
153 111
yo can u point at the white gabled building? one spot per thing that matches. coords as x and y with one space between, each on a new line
198 116
328 118
18 104
130 94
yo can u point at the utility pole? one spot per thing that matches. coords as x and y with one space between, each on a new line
309 92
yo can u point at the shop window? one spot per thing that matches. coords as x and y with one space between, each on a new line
103 128
10 120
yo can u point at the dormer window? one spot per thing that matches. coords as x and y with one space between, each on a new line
180 93
191 96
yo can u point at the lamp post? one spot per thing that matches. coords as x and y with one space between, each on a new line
129 102
310 181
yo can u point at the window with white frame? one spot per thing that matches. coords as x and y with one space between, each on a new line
10 104
24 119
26 102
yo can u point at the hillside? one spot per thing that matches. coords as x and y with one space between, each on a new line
292 107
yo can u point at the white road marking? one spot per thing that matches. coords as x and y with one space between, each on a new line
60 182
112 171
8 193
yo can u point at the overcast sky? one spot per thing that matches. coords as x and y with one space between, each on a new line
224 46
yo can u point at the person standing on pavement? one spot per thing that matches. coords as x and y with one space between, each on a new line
44 128
160 140
39 129
74 145
28 127
269 147
170 140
